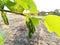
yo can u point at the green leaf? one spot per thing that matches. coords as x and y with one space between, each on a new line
35 21
52 23
14 7
32 6
5 18
3 2
27 5
22 3
2 37
31 27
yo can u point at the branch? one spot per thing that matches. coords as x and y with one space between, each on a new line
12 12
24 13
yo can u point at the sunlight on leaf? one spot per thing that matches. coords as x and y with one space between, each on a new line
31 5
52 23
22 4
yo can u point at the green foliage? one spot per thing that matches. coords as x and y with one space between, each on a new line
35 21
31 27
5 19
2 37
20 6
31 23
3 2
10 5
52 23
2 12
32 6
13 6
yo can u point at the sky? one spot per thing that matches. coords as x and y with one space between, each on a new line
47 5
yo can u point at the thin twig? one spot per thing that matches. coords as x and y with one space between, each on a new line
12 11
24 13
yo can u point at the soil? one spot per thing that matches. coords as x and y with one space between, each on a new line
17 31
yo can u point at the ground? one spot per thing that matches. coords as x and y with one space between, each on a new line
16 32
